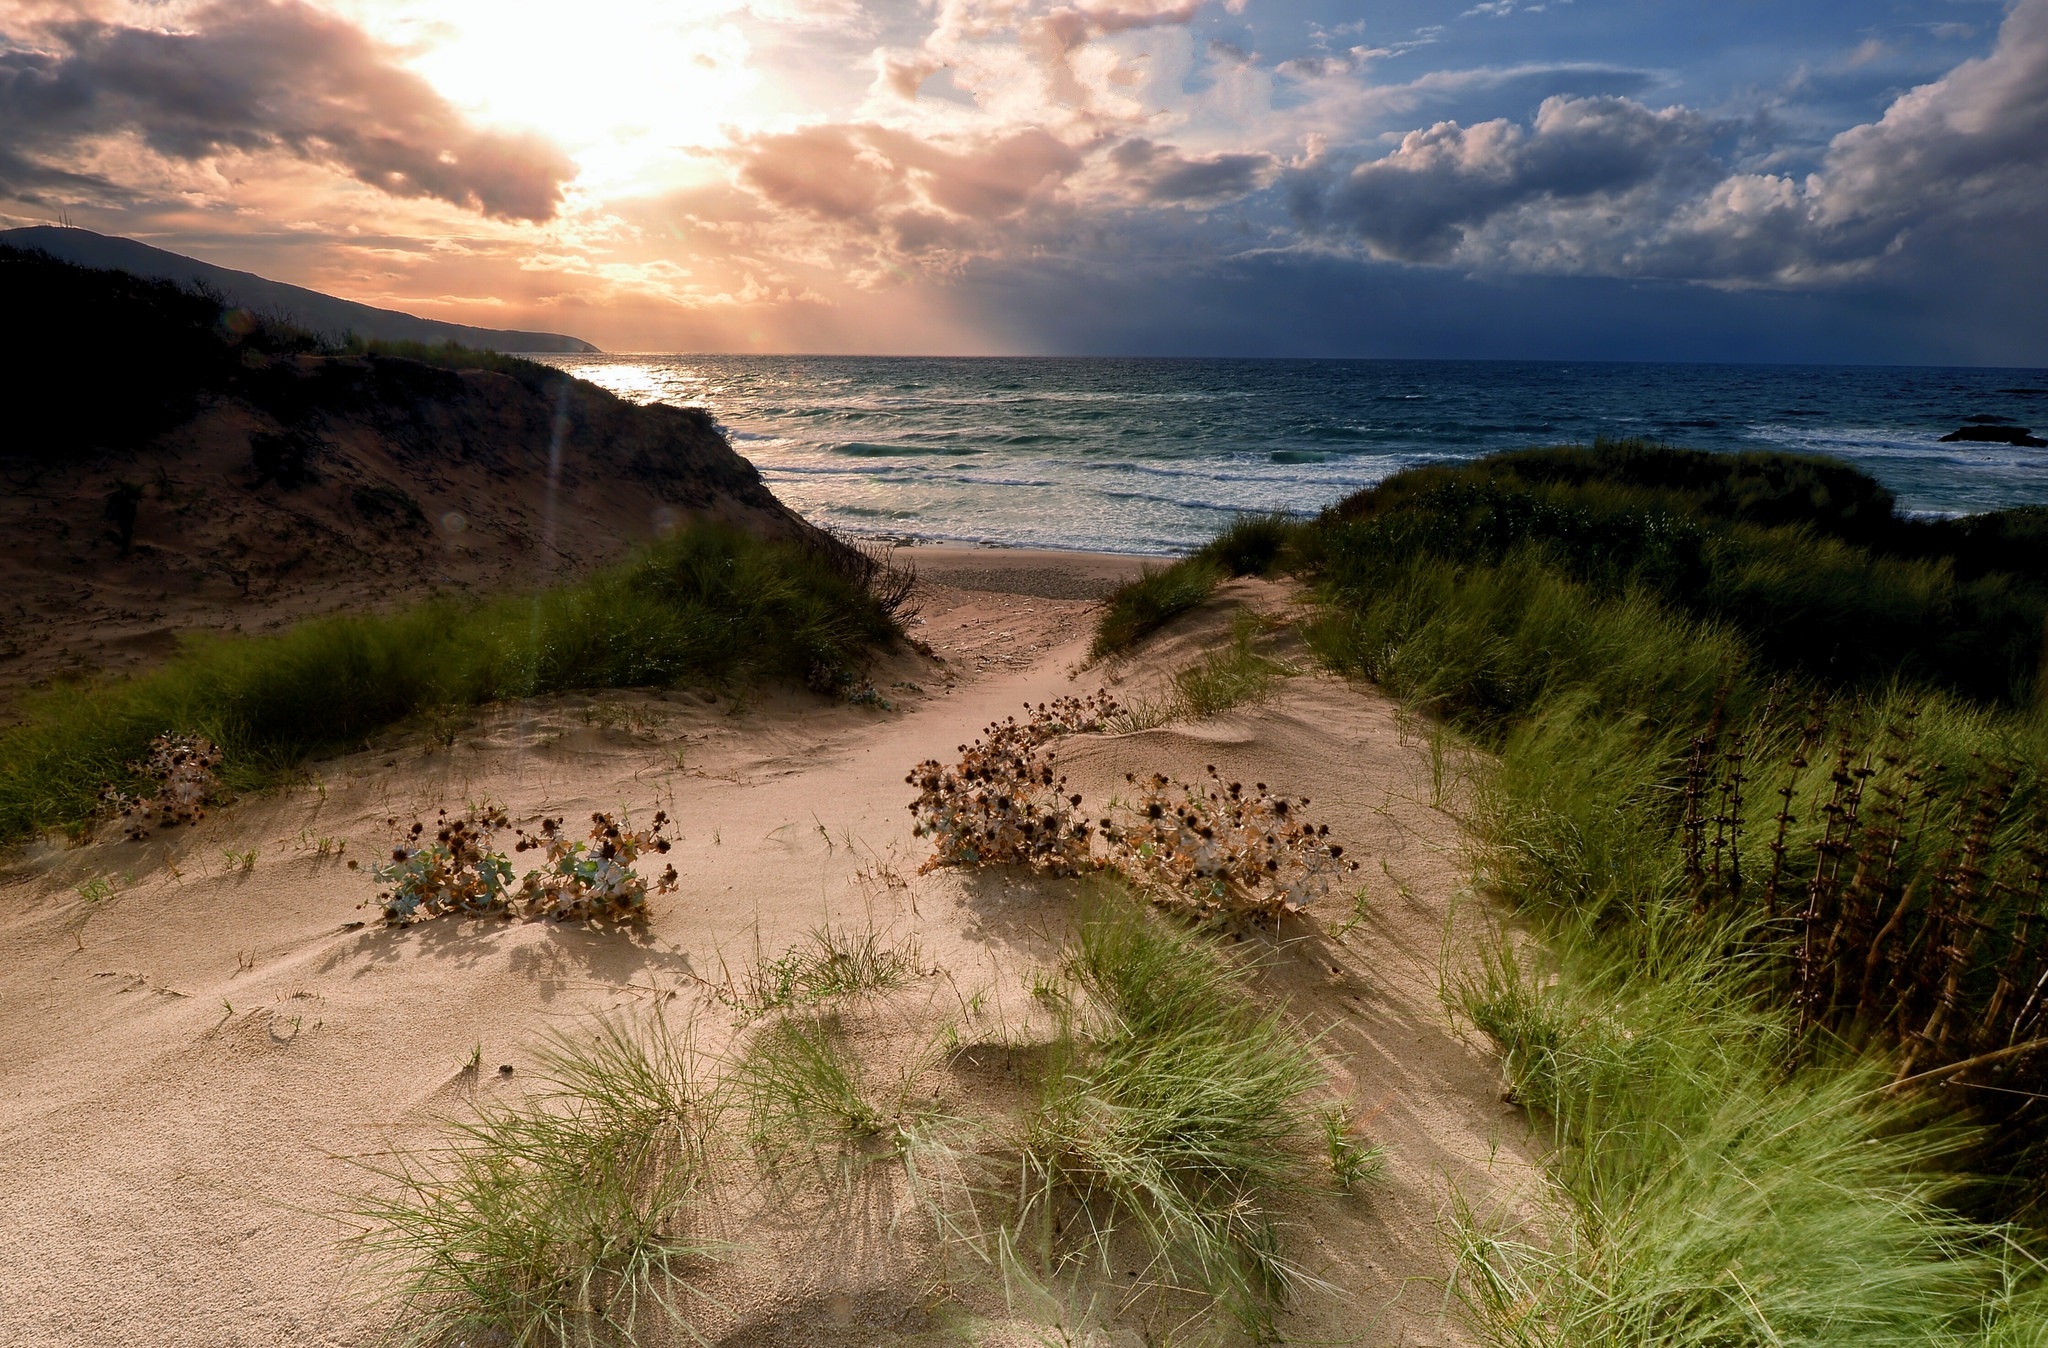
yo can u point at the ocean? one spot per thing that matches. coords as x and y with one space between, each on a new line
1153 456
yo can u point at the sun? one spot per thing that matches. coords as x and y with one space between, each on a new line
622 85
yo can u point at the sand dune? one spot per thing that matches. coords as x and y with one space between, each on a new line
193 1061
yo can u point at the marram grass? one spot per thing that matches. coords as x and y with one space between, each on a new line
1700 1196
708 604
560 1221
1173 1112
1666 657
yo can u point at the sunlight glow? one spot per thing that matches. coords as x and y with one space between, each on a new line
622 85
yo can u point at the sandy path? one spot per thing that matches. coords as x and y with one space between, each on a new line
189 1062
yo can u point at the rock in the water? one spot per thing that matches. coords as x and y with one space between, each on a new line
1996 435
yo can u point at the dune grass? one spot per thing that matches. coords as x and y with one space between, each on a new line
832 963
1173 1112
1799 556
801 1083
1229 676
1155 598
708 604
560 1221
1706 1197
1764 764
1252 545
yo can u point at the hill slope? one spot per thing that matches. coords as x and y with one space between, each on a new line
323 315
168 473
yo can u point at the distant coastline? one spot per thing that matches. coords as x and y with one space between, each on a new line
326 316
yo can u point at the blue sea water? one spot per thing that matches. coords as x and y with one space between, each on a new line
1153 456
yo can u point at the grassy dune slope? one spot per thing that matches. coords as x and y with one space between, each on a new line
1766 770
708 604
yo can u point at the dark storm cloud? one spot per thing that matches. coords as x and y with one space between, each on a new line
1163 175
265 75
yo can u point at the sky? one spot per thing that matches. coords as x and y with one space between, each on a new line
1729 180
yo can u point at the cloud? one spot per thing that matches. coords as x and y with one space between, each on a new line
266 76
1420 203
1162 175
863 174
1609 186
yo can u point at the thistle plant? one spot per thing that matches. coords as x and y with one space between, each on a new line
179 769
458 871
455 872
1216 850
1219 850
1005 803
593 881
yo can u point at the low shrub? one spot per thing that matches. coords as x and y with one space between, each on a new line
593 881
1216 851
1220 851
1004 803
458 872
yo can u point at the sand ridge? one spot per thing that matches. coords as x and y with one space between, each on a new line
194 1059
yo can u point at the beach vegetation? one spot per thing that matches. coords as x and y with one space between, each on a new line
1005 803
1254 545
1353 1161
175 784
801 1083
1220 850
1230 676
594 880
458 871
1701 1194
561 1220
1762 767
1143 606
1173 1113
1215 850
451 356
1227 677
708 604
1800 558
833 963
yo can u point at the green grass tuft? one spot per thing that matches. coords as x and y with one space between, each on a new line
1156 597
833 963
800 1084
707 604
1231 676
1253 545
1707 1199
560 1221
1175 1110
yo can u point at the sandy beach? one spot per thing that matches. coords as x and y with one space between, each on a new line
206 1053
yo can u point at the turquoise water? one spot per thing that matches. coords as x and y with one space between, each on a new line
1154 455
